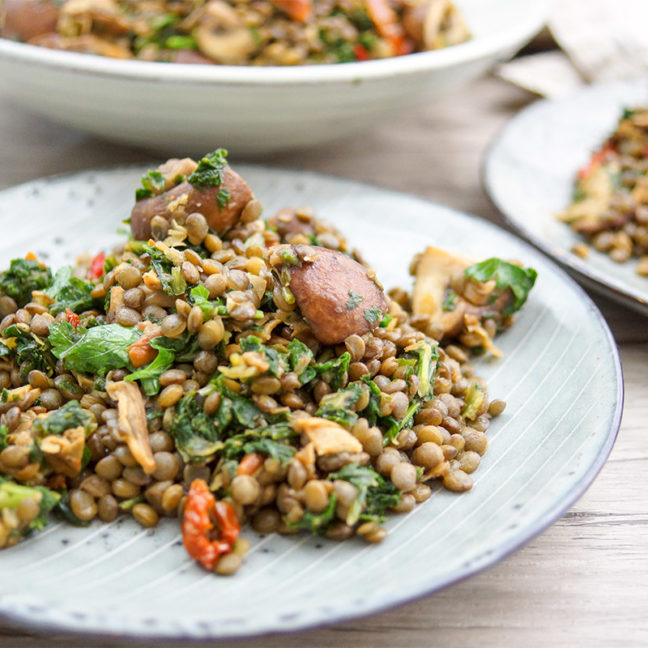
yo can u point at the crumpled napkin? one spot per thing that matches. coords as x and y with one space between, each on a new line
600 40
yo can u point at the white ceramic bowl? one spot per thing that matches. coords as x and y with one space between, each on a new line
181 108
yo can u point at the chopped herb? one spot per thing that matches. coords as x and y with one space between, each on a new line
209 173
22 277
334 371
354 300
300 358
152 182
373 314
509 276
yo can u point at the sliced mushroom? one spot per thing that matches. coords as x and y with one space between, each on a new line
226 47
336 294
132 422
327 437
435 23
64 453
81 16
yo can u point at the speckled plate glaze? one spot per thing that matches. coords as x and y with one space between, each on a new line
529 171
560 375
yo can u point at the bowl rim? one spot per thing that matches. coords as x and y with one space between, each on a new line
477 48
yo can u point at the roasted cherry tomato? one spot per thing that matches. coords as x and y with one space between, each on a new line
197 523
97 266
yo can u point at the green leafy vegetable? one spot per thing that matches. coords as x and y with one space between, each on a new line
12 494
318 523
22 277
518 280
4 434
272 440
209 173
181 42
96 350
171 277
152 182
195 433
70 292
70 415
272 356
64 510
375 494
31 351
334 371
150 374
300 358
354 300
337 406
427 355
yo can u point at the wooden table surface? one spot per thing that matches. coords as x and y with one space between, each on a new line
584 582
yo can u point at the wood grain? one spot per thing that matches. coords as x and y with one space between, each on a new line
585 580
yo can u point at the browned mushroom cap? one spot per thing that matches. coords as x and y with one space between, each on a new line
334 293
25 19
185 199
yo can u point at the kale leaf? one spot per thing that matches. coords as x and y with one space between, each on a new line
70 415
518 280
338 405
318 523
300 358
196 434
22 277
31 351
333 371
375 494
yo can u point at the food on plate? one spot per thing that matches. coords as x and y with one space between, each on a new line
236 32
609 205
230 370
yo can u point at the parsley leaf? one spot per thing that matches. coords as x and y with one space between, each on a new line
96 350
150 374
70 292
152 182
373 314
209 173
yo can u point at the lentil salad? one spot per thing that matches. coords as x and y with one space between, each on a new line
222 402
609 205
236 32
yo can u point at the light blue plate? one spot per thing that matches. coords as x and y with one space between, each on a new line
529 172
560 376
